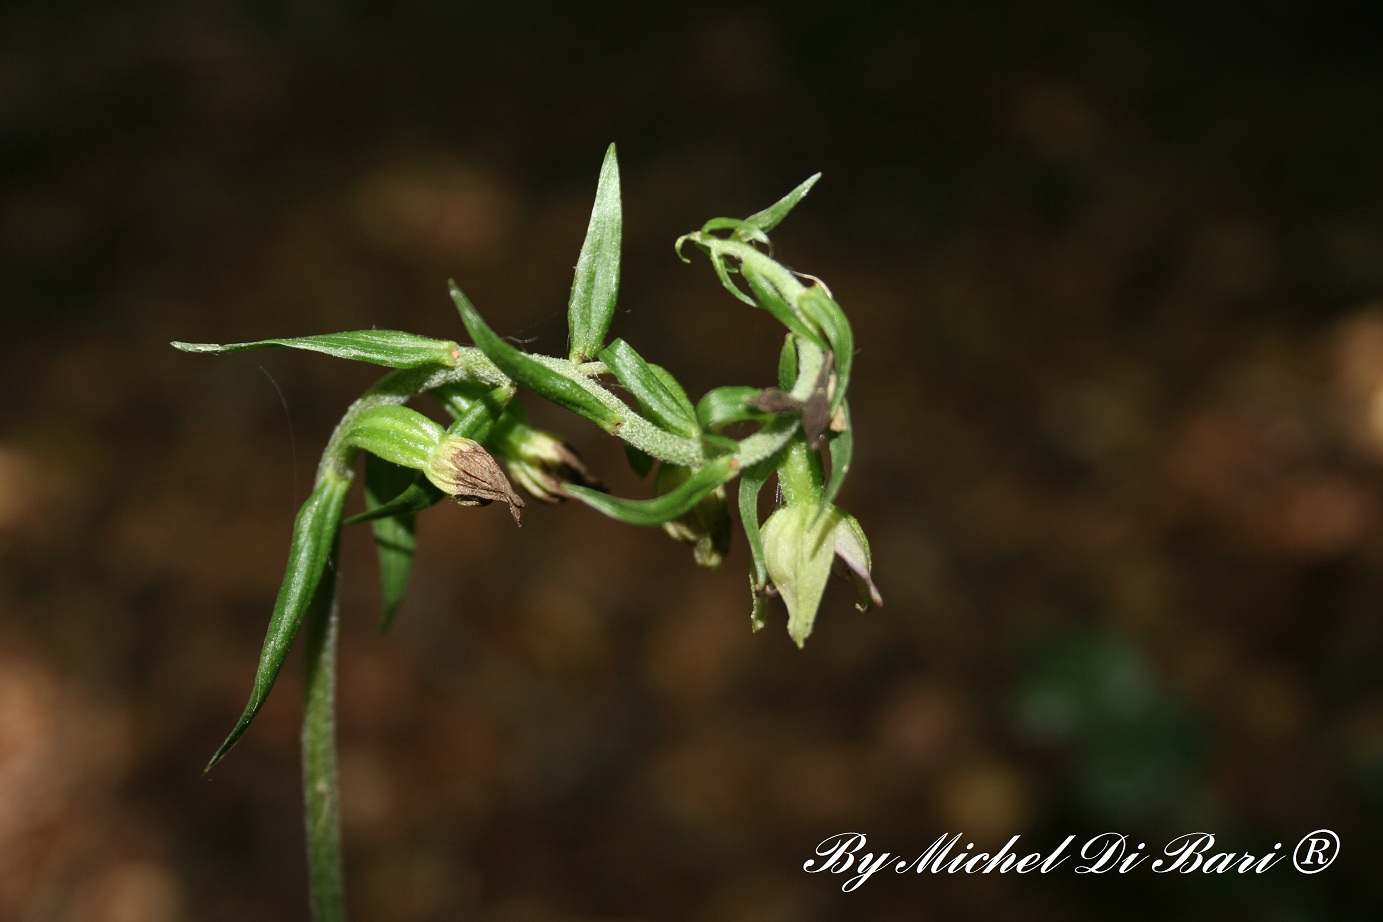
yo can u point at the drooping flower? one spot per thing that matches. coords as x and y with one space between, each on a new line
462 469
539 461
799 554
706 527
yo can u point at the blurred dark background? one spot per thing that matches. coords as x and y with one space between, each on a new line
1115 274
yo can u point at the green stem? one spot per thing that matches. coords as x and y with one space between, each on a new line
321 797
398 388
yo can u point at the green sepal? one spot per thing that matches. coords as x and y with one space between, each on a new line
395 537
314 534
663 508
596 284
395 433
640 462
390 348
567 392
657 402
761 222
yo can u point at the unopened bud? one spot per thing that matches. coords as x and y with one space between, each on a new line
544 464
706 527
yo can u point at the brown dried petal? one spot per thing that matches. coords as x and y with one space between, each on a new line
461 468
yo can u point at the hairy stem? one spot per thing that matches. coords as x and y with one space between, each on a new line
321 797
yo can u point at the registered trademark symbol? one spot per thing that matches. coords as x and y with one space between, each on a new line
1316 851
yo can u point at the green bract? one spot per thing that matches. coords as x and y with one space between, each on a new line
798 431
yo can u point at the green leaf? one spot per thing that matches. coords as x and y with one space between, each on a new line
564 391
764 221
752 482
418 496
822 310
723 270
667 507
314 533
773 301
390 348
725 405
657 402
395 537
787 363
842 447
674 387
596 285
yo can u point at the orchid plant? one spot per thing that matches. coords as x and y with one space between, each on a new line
798 431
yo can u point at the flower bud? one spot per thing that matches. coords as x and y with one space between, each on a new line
464 470
541 462
706 527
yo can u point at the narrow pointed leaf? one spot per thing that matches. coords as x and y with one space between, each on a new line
655 399
390 348
770 299
722 270
538 377
725 405
314 533
664 508
763 221
674 387
419 495
751 485
823 311
842 448
787 363
395 537
596 285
